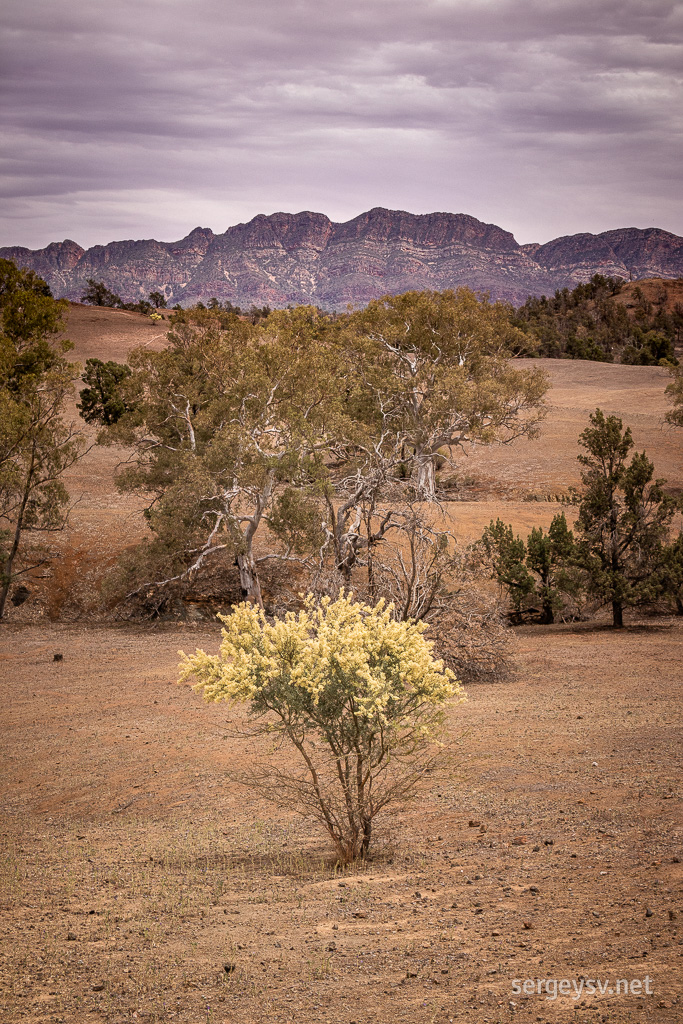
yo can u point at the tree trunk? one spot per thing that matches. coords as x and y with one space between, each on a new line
249 581
426 476
617 614
371 562
547 614
9 561
367 835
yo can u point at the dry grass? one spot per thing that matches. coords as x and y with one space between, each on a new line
137 883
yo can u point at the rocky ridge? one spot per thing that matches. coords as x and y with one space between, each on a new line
307 258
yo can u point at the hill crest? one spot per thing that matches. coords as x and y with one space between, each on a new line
285 258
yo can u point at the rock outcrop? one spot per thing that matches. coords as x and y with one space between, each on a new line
307 258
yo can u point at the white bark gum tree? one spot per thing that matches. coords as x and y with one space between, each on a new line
446 359
227 421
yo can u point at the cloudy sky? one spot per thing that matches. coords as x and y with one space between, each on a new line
146 118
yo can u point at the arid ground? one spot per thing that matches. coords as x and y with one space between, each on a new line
140 882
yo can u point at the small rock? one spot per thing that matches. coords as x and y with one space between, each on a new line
528 926
71 937
533 888
548 842
229 968
495 934
335 927
331 946
519 841
675 860
648 912
411 974
594 764
58 657
360 913
536 849
474 824
672 915
98 986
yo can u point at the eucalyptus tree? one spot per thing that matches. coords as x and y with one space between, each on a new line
36 445
229 429
442 363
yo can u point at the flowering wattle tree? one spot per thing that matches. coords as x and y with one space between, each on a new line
357 693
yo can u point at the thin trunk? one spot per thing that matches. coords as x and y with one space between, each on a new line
344 568
246 563
371 563
367 835
7 568
426 476
617 608
9 561
249 581
617 614
548 614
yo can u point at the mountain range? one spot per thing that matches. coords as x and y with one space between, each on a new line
307 258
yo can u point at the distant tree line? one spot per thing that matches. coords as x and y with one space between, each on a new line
582 323
98 294
318 443
586 323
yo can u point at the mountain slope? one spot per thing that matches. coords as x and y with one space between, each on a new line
307 258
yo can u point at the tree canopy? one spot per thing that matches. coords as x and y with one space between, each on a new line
624 516
587 323
319 428
36 445
357 693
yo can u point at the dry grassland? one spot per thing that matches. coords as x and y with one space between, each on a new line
139 883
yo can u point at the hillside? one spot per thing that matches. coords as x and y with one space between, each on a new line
307 258
661 293
140 881
518 482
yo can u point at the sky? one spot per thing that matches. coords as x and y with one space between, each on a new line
147 118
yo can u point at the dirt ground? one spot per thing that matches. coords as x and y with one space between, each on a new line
139 882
